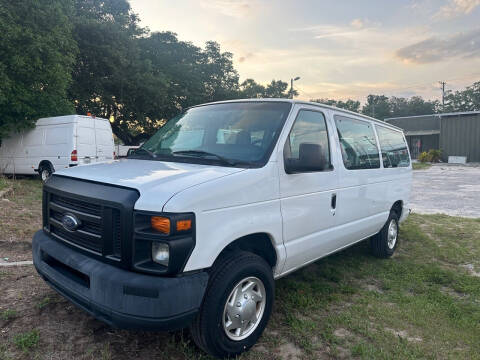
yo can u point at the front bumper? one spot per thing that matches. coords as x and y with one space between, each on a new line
120 298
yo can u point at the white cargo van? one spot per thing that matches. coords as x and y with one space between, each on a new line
56 143
193 228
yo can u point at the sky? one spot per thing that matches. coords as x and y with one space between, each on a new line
339 48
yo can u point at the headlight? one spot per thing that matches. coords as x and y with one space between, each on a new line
162 242
160 253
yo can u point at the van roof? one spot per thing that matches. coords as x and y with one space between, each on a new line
65 119
292 101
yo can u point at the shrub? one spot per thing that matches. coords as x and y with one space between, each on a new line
423 157
434 155
431 156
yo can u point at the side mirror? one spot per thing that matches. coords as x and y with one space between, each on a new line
310 159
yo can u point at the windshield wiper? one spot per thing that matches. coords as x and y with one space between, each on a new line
202 153
148 152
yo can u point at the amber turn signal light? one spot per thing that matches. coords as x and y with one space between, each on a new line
184 225
161 224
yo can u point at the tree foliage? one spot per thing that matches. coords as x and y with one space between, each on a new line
351 105
249 89
37 52
382 107
463 100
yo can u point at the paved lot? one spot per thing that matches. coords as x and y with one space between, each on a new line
448 189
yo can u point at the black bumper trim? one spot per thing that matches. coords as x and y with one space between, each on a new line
177 303
125 321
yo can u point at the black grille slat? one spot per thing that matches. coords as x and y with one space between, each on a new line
78 205
76 238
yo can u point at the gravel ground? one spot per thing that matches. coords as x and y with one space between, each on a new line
448 189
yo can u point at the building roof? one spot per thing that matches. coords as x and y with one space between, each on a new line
439 115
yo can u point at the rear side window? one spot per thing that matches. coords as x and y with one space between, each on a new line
393 147
358 144
309 128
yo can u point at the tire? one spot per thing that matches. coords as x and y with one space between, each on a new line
45 171
214 330
384 243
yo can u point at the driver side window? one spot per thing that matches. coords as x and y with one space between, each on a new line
308 140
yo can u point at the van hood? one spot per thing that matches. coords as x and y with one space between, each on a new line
157 181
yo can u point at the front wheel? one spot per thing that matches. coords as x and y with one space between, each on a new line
384 243
237 305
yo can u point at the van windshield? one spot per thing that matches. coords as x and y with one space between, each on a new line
228 134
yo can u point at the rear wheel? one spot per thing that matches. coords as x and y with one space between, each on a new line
237 305
385 242
45 171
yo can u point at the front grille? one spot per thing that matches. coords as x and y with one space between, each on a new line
94 218
104 215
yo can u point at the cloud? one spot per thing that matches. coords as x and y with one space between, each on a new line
435 49
245 57
233 8
456 8
358 23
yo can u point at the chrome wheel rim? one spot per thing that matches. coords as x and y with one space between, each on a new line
244 308
45 175
392 234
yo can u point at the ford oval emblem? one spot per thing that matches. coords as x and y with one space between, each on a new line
70 222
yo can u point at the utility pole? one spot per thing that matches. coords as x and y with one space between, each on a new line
443 83
291 85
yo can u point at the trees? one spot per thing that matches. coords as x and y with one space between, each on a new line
37 52
464 100
349 104
377 106
415 105
108 68
140 78
276 89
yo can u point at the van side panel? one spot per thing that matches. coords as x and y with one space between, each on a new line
244 203
10 148
104 140
23 153
85 140
306 201
58 145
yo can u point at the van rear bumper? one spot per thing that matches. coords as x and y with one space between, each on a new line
118 297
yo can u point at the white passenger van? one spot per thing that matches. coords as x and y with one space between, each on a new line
193 228
56 143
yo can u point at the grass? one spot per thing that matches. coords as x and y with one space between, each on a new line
8 314
372 308
44 302
420 166
20 216
3 183
27 341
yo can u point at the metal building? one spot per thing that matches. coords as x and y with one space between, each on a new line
456 134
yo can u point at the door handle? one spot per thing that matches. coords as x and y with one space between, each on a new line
333 202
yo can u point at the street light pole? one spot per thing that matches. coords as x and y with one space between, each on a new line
291 85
